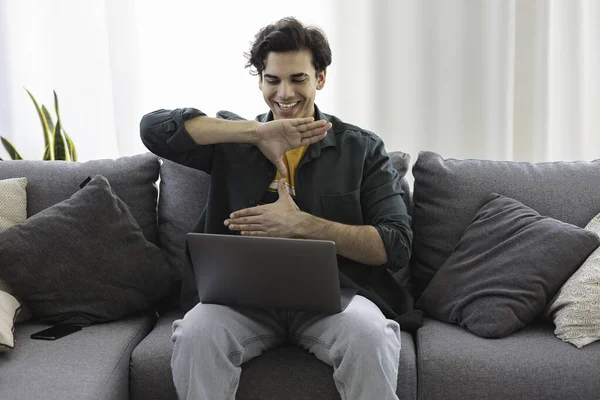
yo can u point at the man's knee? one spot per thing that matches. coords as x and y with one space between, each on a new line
366 327
201 324
372 334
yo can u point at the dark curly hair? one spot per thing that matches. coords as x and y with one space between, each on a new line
288 34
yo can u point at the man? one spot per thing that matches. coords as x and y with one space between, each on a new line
293 172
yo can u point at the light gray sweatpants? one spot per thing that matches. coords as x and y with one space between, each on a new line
212 341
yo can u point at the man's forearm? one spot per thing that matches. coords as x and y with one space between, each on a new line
206 130
359 243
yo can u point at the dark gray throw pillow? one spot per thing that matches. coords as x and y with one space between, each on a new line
508 264
84 260
448 192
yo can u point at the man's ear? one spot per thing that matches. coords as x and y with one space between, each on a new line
260 82
321 79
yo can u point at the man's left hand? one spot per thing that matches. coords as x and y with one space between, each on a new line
280 219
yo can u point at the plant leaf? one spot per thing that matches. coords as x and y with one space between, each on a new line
45 129
71 147
10 149
69 143
47 154
60 149
48 118
56 108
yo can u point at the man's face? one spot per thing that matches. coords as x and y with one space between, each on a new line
289 84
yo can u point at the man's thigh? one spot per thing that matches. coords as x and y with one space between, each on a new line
247 332
360 321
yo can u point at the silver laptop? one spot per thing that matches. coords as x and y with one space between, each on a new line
290 274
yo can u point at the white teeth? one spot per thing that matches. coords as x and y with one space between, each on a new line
287 106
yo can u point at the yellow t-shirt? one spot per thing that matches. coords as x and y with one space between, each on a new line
291 160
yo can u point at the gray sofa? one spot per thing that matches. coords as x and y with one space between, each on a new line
130 358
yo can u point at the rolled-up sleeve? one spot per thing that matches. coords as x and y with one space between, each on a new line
383 207
163 133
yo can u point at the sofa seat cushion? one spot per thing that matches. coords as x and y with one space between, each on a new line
454 363
90 364
150 368
289 373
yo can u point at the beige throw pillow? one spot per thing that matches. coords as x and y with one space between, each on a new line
13 210
13 202
9 307
575 309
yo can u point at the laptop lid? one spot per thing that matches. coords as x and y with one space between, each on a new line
291 274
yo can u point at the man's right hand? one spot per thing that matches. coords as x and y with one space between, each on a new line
275 137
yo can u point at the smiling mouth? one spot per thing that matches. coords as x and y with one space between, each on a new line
287 107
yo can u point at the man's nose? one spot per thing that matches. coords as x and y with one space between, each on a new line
285 91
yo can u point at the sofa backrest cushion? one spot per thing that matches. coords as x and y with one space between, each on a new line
448 193
401 163
132 178
183 195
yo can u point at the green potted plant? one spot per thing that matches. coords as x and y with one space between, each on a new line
57 144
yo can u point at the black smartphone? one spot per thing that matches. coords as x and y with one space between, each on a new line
55 332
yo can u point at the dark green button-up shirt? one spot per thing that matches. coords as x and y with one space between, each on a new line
347 177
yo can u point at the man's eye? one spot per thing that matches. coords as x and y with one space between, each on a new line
299 80
272 82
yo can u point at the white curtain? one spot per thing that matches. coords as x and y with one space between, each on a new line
513 80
